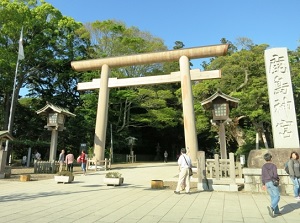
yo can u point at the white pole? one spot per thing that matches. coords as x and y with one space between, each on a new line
111 145
12 105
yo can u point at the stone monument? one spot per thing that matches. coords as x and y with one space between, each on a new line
284 123
282 108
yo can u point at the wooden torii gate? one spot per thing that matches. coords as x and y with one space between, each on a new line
185 76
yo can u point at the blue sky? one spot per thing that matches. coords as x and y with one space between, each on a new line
197 22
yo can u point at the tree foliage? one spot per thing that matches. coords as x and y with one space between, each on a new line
51 41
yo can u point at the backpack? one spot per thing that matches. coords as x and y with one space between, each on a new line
286 167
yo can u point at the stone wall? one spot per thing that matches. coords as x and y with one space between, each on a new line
252 178
279 157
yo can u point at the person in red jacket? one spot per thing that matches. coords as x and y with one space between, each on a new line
83 159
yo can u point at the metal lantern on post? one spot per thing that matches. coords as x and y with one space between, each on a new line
55 122
220 105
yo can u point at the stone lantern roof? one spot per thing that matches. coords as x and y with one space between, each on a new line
208 103
50 108
5 135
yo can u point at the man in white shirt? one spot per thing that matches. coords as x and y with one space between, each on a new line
184 163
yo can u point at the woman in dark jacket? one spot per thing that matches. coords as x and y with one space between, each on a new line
268 174
294 172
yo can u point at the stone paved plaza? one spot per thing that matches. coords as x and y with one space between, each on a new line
87 199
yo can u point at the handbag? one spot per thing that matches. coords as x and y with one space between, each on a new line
275 182
78 159
190 172
190 169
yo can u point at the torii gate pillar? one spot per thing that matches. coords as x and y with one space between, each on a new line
191 142
183 55
102 111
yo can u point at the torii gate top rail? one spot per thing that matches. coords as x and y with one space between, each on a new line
147 58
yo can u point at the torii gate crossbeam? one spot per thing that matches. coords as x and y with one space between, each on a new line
158 79
183 55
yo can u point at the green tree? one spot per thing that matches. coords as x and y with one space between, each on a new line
51 41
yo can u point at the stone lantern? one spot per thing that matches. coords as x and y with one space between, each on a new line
55 122
220 105
4 135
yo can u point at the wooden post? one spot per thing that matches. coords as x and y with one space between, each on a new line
232 167
53 144
53 166
96 163
240 170
201 170
217 167
105 163
222 138
35 166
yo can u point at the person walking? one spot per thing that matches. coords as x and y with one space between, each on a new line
166 156
294 172
61 160
268 174
83 159
69 162
24 160
184 163
37 156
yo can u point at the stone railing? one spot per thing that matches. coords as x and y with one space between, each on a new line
218 174
131 158
93 164
45 166
220 168
253 182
